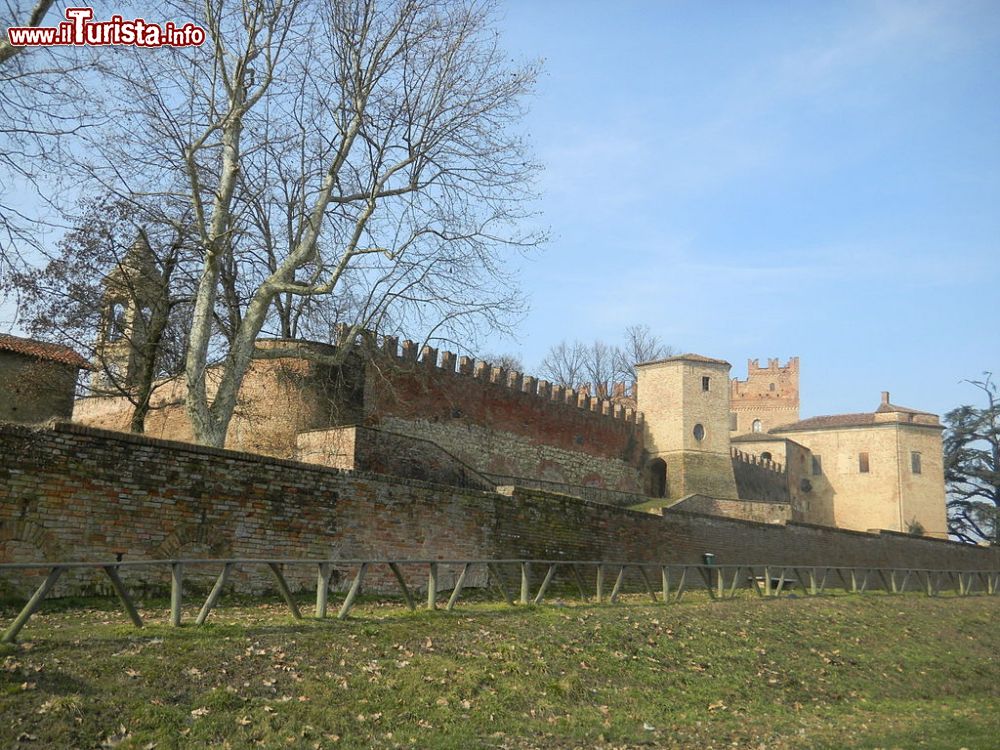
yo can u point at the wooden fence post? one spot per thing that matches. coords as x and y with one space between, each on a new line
353 593
10 634
402 584
213 595
286 593
323 573
432 580
123 597
545 584
457 591
176 592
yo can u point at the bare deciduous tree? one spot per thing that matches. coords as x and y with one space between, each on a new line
43 101
599 365
565 364
509 362
641 345
359 150
21 17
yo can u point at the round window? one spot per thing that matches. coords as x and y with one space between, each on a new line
699 432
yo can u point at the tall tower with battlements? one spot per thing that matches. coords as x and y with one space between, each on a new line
768 398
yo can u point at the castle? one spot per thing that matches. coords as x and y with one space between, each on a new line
695 440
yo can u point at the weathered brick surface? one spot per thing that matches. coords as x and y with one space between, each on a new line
553 417
685 403
769 394
76 493
34 390
760 479
762 512
524 427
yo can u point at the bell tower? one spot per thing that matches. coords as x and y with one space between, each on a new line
131 291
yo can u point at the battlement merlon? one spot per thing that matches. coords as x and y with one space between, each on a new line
774 369
773 366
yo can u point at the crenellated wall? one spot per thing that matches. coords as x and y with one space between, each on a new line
447 389
503 422
769 395
759 478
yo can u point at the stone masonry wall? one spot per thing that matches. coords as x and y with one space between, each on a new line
35 390
82 494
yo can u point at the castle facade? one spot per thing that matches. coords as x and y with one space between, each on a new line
685 436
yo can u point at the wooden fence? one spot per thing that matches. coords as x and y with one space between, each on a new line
672 581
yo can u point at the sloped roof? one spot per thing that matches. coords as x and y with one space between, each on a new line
758 437
688 357
42 350
824 422
887 408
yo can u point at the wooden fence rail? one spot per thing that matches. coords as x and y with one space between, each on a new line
720 581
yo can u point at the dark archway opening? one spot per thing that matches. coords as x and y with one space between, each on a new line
657 478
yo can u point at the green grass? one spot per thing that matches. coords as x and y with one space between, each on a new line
871 671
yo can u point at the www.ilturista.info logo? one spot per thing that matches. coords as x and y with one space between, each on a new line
78 29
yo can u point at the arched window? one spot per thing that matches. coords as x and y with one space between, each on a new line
766 455
770 387
699 432
756 426
116 321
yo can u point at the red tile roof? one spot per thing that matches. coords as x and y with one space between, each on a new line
42 350
833 420
889 408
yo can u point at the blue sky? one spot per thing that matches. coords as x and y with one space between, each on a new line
766 179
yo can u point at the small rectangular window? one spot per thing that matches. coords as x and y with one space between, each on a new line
817 465
863 463
915 461
733 423
705 382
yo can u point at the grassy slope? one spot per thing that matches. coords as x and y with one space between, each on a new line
835 672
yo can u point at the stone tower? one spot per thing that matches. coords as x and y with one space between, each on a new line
685 401
131 292
768 398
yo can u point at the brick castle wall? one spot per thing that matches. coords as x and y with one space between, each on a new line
760 479
75 493
529 427
749 510
460 391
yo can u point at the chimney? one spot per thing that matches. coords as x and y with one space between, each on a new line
885 398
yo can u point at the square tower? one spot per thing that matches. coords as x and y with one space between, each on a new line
768 398
685 402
